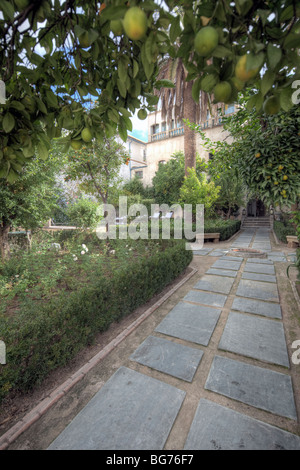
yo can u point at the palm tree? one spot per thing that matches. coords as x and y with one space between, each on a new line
179 102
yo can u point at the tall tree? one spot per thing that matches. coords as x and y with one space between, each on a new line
30 200
180 100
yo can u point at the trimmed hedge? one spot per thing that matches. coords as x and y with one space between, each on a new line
41 338
226 228
282 229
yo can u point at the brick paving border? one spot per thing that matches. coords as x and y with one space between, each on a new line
31 417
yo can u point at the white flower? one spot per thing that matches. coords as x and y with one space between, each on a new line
75 258
17 275
82 252
83 246
112 252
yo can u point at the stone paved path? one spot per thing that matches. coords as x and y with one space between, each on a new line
136 411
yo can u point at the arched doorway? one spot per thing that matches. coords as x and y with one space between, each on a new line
256 208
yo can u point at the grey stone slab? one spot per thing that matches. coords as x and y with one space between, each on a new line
259 277
255 337
213 300
131 411
194 323
200 252
217 252
216 427
258 307
258 290
256 386
281 259
259 268
168 357
259 261
214 283
231 258
224 264
222 272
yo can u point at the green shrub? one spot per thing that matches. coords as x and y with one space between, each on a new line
282 229
226 228
83 213
45 335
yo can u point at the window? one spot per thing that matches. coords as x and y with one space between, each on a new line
163 126
229 108
155 129
144 154
210 156
138 174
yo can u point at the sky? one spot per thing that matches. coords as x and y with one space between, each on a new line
139 128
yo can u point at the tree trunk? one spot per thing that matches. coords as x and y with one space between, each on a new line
189 112
4 243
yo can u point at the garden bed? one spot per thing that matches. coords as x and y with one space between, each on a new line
54 304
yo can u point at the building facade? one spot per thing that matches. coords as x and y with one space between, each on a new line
135 167
164 140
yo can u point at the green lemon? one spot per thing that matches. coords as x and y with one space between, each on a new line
241 71
271 105
206 41
222 92
135 23
142 114
86 135
76 144
116 27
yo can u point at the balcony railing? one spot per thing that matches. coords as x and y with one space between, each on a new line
208 124
167 134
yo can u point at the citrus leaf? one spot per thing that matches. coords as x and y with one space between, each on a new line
208 82
42 151
196 90
285 99
175 29
164 83
122 88
221 51
12 176
8 122
135 68
274 55
267 82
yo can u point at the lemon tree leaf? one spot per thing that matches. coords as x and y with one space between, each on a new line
8 122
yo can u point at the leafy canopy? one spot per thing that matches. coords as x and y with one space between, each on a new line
66 66
264 153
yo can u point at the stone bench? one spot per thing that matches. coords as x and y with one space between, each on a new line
211 236
292 241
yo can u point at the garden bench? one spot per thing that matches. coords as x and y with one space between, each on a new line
292 241
212 236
